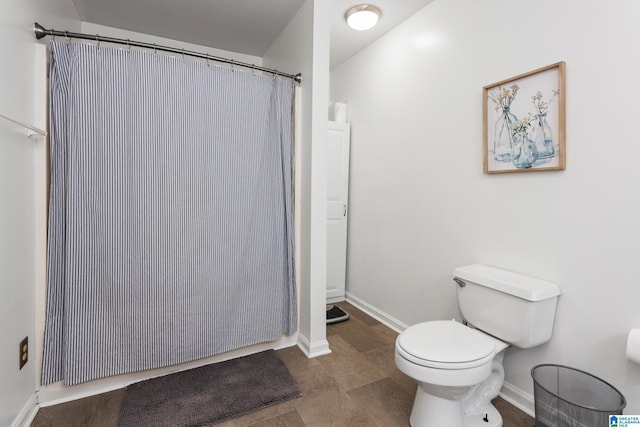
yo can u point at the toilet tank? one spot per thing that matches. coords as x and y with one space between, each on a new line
515 308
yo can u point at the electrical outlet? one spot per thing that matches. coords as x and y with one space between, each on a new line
24 352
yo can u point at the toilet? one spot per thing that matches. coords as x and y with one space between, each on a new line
458 366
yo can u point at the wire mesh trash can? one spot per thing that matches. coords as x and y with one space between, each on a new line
568 397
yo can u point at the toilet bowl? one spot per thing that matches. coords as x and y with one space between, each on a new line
459 367
451 363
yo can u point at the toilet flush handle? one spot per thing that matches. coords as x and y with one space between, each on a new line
460 282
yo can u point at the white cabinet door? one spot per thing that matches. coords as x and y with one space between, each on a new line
337 209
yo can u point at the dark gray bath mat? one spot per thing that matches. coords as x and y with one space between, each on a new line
209 395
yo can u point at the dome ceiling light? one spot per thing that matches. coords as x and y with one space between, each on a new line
362 17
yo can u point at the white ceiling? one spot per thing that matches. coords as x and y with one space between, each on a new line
345 42
244 26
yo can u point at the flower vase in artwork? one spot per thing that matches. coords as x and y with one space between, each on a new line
542 137
523 150
502 137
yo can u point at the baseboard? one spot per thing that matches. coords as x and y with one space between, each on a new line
518 398
313 350
379 315
27 414
331 300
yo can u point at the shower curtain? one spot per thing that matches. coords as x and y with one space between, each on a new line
171 211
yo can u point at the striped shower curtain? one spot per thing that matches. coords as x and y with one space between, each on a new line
171 211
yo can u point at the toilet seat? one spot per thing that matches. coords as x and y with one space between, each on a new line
446 344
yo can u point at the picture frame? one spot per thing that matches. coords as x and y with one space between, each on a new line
524 122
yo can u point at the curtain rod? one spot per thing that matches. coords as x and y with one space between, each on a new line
41 32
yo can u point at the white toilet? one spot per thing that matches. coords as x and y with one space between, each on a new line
459 368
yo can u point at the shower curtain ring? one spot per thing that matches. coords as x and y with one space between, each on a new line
232 66
208 64
154 49
97 41
128 46
183 54
66 34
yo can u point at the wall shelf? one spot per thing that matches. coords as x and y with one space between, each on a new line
31 130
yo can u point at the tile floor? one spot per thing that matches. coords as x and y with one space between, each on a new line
356 385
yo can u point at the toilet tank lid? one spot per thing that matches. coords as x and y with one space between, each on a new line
519 285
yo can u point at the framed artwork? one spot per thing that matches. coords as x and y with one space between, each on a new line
524 122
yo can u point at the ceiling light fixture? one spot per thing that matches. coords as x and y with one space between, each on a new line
362 17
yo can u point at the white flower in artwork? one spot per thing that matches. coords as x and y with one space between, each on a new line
503 97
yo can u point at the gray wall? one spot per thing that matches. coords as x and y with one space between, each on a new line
421 205
20 99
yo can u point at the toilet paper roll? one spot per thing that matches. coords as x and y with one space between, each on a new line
633 346
338 112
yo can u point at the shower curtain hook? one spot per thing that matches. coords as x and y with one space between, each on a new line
183 54
128 46
66 34
154 49
232 66
208 64
97 41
